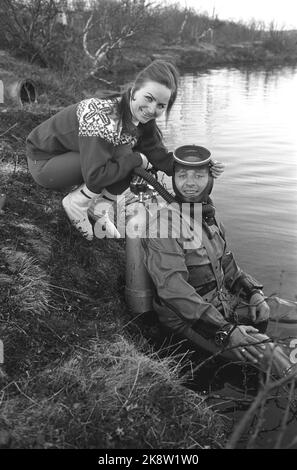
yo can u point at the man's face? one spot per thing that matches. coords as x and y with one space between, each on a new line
149 102
191 182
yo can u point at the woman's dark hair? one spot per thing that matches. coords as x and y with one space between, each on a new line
158 71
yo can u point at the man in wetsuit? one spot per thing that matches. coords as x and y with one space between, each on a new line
201 293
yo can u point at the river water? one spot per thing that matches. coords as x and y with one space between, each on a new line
246 118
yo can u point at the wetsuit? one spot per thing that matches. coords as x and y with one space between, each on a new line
199 289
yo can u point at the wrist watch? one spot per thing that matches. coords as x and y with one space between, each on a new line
222 336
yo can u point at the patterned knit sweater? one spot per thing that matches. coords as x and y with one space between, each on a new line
93 128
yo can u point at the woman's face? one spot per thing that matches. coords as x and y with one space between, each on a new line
191 182
149 101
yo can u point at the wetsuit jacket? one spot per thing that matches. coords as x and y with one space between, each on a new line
187 287
108 152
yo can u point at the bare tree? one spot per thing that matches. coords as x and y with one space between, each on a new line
101 54
194 27
113 26
29 27
183 25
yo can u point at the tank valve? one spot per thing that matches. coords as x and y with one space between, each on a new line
138 186
141 187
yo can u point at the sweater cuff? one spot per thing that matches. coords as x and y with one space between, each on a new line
137 159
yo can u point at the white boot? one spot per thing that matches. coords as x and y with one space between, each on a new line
103 226
76 206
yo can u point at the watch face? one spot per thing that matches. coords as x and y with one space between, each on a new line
220 337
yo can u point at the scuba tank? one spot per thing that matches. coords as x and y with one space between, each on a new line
139 288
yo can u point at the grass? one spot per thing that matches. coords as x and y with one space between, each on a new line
111 395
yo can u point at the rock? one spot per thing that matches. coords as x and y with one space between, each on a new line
2 201
5 439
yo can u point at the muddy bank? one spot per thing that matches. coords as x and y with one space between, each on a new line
77 373
204 56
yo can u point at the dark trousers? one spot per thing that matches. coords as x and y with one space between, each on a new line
63 171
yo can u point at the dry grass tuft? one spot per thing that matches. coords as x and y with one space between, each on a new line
112 396
29 292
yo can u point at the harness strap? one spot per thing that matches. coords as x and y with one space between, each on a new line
215 264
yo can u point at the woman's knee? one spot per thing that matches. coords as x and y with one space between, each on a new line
39 175
58 172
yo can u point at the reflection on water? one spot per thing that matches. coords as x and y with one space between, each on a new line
247 120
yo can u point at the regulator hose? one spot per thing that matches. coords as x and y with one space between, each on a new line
156 185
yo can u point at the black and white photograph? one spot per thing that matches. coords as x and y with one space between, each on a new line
148 229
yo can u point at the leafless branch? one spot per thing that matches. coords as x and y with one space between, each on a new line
9 129
86 29
10 6
285 417
268 388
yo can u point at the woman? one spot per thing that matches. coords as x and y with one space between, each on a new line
97 143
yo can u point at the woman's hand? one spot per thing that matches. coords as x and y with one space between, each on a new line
216 168
258 309
246 342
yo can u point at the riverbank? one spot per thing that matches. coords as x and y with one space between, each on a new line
77 373
245 53
206 56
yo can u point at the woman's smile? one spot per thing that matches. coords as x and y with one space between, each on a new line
146 114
